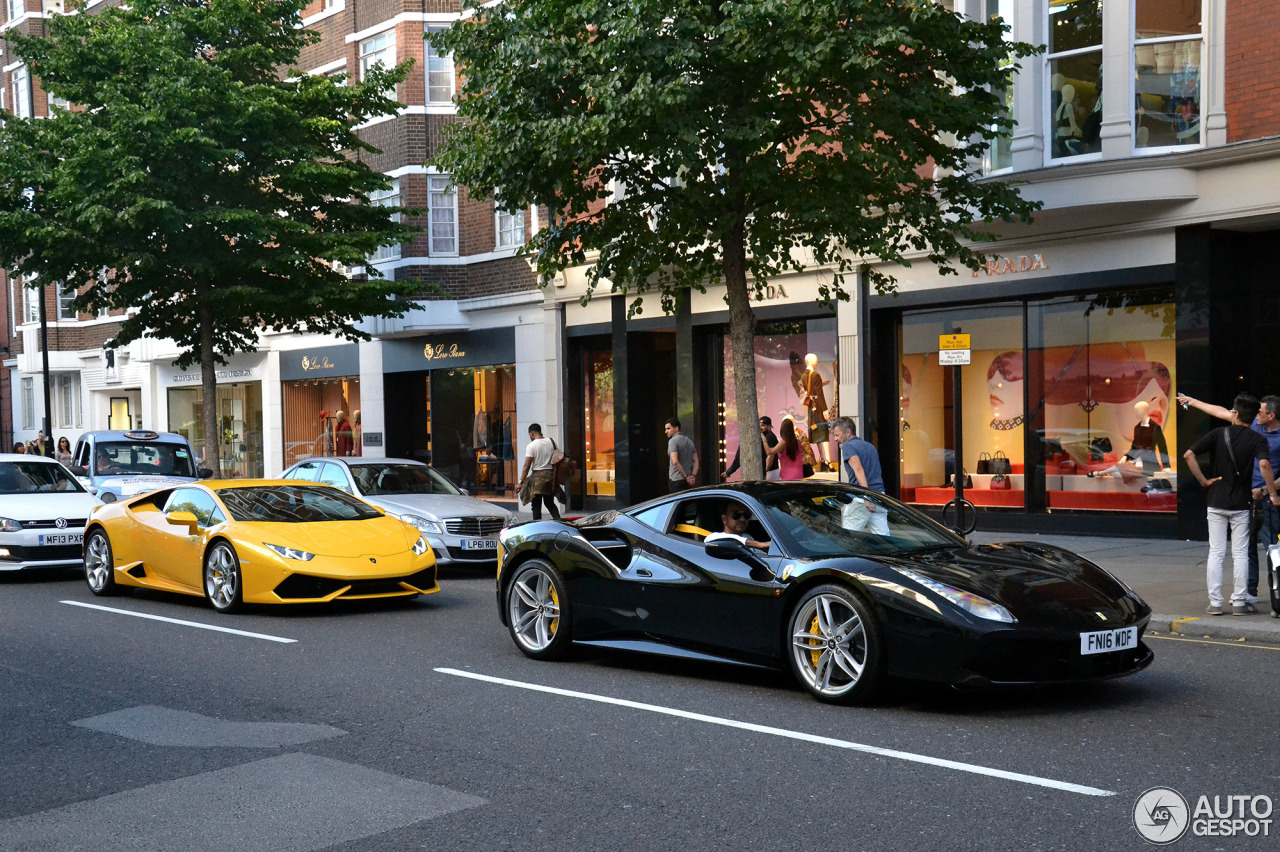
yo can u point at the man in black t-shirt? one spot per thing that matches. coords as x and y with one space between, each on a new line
1231 451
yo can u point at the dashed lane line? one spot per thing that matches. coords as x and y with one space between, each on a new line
179 621
793 735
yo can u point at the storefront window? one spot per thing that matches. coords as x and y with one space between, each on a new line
796 377
1107 363
1075 76
1166 55
598 422
321 418
992 408
471 413
239 418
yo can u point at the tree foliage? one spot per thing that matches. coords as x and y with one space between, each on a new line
196 180
695 144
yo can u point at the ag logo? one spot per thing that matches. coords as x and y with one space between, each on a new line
1161 815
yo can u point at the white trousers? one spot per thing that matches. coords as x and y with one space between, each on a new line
1220 520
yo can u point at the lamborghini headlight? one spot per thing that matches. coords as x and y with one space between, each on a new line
9 525
970 603
423 525
420 546
291 552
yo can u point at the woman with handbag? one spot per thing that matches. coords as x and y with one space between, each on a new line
790 458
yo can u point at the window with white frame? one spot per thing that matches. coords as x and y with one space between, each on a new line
439 69
65 295
22 92
1167 46
378 51
329 5
28 403
510 226
389 197
68 412
16 9
1074 62
1000 156
31 302
442 214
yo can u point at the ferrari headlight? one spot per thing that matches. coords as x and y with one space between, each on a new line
291 552
9 525
420 546
423 525
970 603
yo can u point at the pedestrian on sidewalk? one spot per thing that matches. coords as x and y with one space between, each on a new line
770 441
1230 499
539 474
1266 517
682 455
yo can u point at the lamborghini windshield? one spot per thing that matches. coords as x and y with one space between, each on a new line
294 504
844 522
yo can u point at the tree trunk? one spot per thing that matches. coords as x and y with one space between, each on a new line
742 325
209 391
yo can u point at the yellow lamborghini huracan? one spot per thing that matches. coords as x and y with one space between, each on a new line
239 541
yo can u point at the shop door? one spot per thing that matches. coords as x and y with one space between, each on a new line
651 391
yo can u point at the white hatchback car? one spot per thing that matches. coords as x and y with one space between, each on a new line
43 511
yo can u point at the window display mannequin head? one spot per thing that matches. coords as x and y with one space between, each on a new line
1142 409
811 361
1005 381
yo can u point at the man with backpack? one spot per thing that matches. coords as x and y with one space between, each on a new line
1231 451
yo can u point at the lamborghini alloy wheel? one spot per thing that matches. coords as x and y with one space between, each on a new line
836 648
99 570
222 578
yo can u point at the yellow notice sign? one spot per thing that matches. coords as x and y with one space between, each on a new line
953 341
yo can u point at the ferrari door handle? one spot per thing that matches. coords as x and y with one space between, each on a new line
643 572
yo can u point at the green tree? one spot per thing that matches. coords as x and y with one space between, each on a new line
703 143
196 181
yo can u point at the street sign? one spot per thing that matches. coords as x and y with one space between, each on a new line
953 357
953 341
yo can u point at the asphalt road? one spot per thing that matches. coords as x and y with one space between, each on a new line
371 731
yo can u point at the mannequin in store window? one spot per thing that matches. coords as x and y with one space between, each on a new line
814 399
342 434
355 451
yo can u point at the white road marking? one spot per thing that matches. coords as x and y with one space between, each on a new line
795 735
181 622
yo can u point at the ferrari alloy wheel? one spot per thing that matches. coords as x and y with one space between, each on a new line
222 577
836 647
538 611
99 570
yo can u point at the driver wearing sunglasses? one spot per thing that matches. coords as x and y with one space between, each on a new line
735 519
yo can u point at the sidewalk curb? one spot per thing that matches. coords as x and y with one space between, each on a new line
1254 628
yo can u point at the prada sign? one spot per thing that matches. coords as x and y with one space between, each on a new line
997 265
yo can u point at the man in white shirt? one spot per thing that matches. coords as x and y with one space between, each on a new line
735 517
537 469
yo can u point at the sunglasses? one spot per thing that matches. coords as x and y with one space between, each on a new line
739 516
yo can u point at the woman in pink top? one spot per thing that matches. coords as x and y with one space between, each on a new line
790 456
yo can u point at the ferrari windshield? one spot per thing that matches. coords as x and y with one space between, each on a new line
134 457
377 479
844 522
294 504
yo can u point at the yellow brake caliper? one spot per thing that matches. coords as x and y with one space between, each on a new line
555 599
816 654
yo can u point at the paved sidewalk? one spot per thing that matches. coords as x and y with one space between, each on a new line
1170 577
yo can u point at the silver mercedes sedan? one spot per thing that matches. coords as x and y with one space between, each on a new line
462 530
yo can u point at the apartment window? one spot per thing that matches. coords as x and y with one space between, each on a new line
510 227
387 198
378 51
16 8
65 295
440 79
22 92
28 403
69 413
999 155
330 5
56 102
1167 46
442 211
1075 77
31 303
